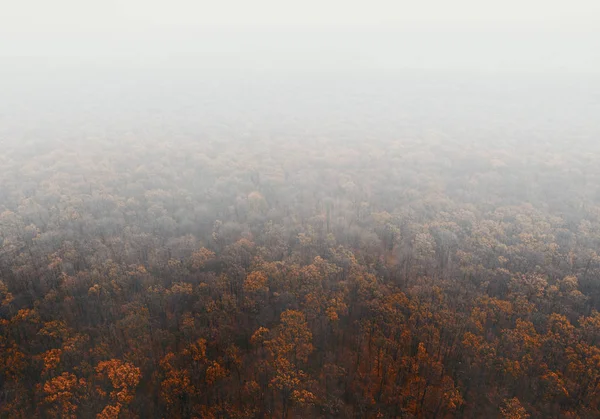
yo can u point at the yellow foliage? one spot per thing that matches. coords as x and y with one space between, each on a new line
201 257
123 376
214 372
110 412
255 281
51 359
513 409
60 392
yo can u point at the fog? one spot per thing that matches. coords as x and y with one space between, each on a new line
522 56
514 36
336 209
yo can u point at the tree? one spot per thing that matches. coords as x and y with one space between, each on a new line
513 409
123 377
63 393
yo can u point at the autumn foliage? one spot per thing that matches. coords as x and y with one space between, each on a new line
299 279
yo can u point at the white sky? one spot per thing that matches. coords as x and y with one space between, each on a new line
517 34
43 16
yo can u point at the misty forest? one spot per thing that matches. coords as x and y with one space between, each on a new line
302 245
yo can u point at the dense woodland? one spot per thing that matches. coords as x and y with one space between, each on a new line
423 249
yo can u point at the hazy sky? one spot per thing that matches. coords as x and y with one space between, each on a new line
458 34
42 16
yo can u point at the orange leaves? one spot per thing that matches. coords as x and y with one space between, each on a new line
392 309
51 359
175 384
94 290
214 372
313 304
421 354
584 362
521 349
110 412
55 262
554 384
478 319
286 376
59 388
181 288
5 297
260 336
201 257
491 310
251 388
61 392
26 315
523 338
123 376
561 332
198 350
309 280
54 329
479 350
514 369
336 306
293 337
290 345
303 397
188 322
531 286
418 384
234 357
513 409
167 362
136 271
591 327
332 314
74 343
12 362
450 394
256 281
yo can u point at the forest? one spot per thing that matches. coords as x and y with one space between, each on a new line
349 246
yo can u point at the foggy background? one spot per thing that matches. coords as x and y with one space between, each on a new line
417 183
465 66
526 36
